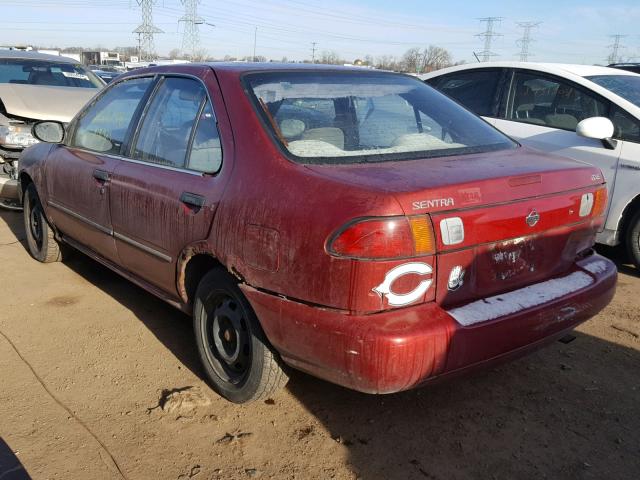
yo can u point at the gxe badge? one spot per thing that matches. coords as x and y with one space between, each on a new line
533 218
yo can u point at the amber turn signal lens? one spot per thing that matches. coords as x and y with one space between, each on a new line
600 202
423 236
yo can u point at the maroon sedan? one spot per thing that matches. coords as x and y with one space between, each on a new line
356 225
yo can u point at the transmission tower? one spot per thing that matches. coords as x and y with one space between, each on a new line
191 36
313 52
615 48
526 39
147 30
489 34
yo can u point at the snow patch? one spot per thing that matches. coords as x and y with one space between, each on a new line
518 300
596 267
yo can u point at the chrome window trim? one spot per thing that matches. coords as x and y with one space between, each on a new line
140 162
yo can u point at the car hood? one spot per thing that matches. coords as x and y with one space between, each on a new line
44 102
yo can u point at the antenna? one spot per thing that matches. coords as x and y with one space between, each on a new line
615 48
191 35
489 34
147 30
526 39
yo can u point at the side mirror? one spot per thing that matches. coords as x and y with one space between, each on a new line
599 128
48 131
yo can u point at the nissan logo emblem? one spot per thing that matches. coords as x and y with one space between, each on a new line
533 218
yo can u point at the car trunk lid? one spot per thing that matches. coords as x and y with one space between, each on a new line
519 209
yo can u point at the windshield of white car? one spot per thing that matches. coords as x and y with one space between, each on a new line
353 117
625 86
46 73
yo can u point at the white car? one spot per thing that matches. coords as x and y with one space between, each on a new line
587 113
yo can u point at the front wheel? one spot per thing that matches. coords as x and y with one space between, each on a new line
235 353
633 240
40 237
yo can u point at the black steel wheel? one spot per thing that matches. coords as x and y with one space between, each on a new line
40 236
238 359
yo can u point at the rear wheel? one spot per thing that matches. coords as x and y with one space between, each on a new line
633 239
40 237
235 353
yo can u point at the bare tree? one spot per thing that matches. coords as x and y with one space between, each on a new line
175 53
387 62
331 58
199 55
412 60
435 58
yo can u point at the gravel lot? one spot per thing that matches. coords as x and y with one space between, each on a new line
99 379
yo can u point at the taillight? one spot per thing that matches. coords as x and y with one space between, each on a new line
599 202
384 238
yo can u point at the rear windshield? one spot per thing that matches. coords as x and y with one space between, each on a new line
352 117
39 72
625 86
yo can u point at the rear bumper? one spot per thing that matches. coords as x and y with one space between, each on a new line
401 349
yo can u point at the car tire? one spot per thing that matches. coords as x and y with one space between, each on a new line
237 357
40 236
633 240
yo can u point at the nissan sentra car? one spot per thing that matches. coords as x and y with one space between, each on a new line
357 225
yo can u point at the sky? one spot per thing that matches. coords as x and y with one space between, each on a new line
571 31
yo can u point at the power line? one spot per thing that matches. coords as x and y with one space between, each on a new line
146 31
615 48
191 35
488 35
526 39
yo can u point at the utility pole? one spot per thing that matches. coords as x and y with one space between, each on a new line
147 29
313 52
255 37
191 35
526 39
488 35
615 48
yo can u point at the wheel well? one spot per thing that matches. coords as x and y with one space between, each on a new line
25 180
627 215
196 267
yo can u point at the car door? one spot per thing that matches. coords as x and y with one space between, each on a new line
78 174
542 111
164 196
479 90
627 134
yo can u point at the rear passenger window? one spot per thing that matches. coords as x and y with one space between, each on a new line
103 126
167 126
550 102
475 90
206 150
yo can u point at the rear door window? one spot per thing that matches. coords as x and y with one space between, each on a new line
104 125
179 128
551 102
476 90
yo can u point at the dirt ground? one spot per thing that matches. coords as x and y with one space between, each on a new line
99 379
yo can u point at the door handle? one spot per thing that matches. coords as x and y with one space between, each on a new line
101 175
192 199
